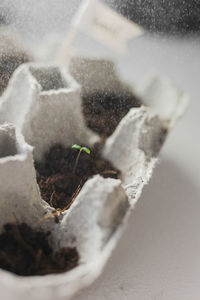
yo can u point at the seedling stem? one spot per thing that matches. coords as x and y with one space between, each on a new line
78 147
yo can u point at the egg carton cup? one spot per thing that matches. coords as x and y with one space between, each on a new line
48 111
44 102
134 146
158 93
91 224
20 197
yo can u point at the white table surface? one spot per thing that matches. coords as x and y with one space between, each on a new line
158 256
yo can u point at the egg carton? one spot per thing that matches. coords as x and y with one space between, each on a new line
42 107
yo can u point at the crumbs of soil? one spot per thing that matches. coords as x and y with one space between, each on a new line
27 252
104 110
59 185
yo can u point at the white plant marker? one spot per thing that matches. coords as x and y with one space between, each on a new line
103 24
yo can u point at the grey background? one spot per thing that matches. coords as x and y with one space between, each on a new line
158 257
174 16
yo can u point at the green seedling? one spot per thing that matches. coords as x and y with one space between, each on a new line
78 147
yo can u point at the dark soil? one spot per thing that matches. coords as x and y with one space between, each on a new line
26 252
103 110
59 185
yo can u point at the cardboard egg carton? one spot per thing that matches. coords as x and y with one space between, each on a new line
44 104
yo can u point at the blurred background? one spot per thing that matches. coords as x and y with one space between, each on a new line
158 255
37 18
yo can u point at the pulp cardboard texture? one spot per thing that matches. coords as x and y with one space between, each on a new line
44 103
47 114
